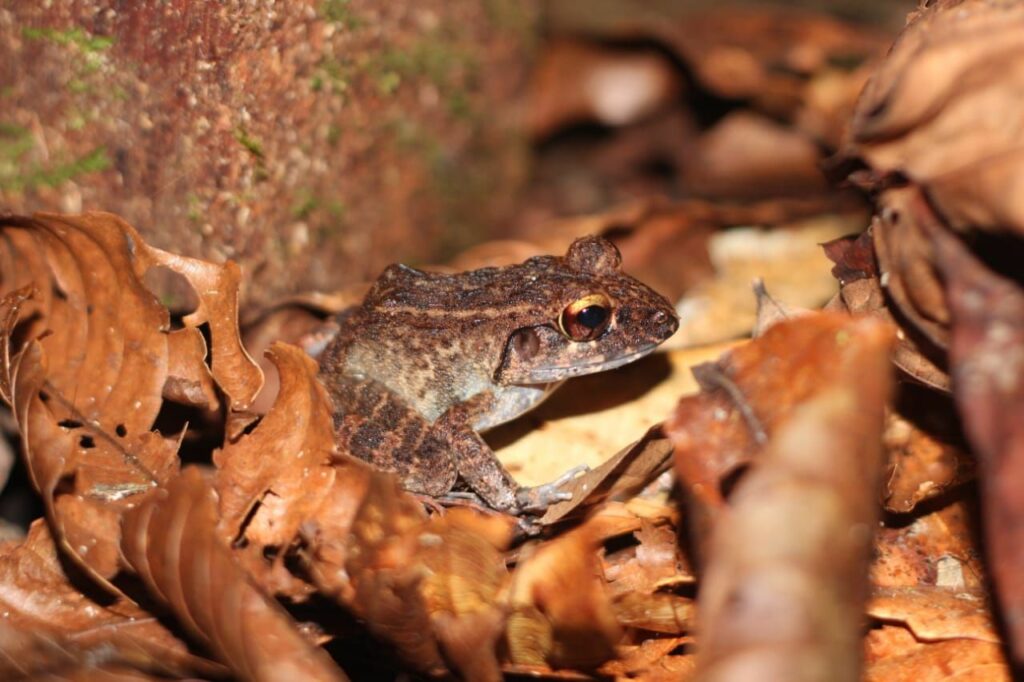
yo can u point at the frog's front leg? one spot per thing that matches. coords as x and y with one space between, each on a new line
479 467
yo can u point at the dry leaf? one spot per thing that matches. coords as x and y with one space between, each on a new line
943 108
786 258
936 613
792 546
50 624
575 81
927 452
937 549
893 655
987 359
560 612
281 470
171 541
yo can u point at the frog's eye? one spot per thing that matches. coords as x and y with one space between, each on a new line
586 318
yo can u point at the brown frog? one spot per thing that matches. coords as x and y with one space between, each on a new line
428 361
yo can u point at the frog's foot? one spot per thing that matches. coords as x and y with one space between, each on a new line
466 499
539 498
430 503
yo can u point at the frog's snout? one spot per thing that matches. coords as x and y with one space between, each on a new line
663 322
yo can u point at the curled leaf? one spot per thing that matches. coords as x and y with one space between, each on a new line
171 542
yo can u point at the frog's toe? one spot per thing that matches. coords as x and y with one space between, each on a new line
569 475
539 498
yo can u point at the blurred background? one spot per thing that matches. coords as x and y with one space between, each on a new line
317 141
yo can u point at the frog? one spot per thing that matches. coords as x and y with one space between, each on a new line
429 361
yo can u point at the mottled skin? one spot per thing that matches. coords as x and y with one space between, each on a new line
430 360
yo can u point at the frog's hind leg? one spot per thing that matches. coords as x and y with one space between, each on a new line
377 426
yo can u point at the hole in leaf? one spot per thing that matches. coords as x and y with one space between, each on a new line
86 442
729 481
120 430
69 424
172 290
682 650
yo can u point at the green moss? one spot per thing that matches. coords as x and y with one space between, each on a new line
387 83
305 203
78 86
76 121
331 75
88 54
13 177
515 17
195 208
251 144
333 134
435 57
14 141
12 130
337 209
75 36
340 13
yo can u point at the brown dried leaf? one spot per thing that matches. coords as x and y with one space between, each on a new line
575 81
328 532
771 311
623 474
379 577
655 562
746 156
189 380
988 369
943 110
926 449
764 54
657 612
590 417
430 587
906 260
560 612
861 290
464 573
787 258
937 550
865 297
171 541
217 287
893 655
654 660
936 613
92 673
854 257
281 468
51 624
86 395
793 545
749 391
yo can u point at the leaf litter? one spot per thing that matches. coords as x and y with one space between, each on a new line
837 469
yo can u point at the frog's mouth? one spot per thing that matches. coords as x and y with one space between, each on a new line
548 373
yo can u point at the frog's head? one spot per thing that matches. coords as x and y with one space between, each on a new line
598 318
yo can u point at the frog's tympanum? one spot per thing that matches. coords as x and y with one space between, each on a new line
429 361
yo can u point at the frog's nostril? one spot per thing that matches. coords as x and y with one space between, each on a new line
662 318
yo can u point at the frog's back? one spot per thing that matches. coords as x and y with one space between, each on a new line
436 339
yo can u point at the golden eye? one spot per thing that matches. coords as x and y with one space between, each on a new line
586 318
